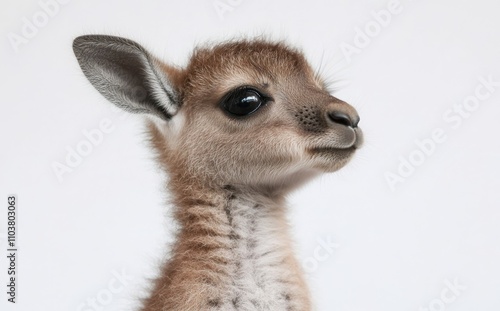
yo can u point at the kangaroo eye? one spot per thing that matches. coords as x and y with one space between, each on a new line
243 101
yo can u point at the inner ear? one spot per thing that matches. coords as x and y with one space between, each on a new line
132 80
127 75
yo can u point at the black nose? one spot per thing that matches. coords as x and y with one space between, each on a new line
343 118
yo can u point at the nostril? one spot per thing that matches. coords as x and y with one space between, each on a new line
343 118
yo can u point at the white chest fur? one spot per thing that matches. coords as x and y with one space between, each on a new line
261 277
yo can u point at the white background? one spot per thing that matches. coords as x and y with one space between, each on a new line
396 247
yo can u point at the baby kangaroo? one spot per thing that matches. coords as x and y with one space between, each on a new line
237 129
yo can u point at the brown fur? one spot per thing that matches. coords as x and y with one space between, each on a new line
228 175
199 188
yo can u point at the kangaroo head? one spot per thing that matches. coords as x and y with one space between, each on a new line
249 113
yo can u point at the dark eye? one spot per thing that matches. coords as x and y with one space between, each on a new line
243 101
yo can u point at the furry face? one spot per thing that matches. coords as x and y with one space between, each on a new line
294 130
246 112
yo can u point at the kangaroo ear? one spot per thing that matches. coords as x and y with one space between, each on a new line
127 75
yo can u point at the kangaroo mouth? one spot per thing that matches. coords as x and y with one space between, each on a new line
340 152
334 151
352 144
